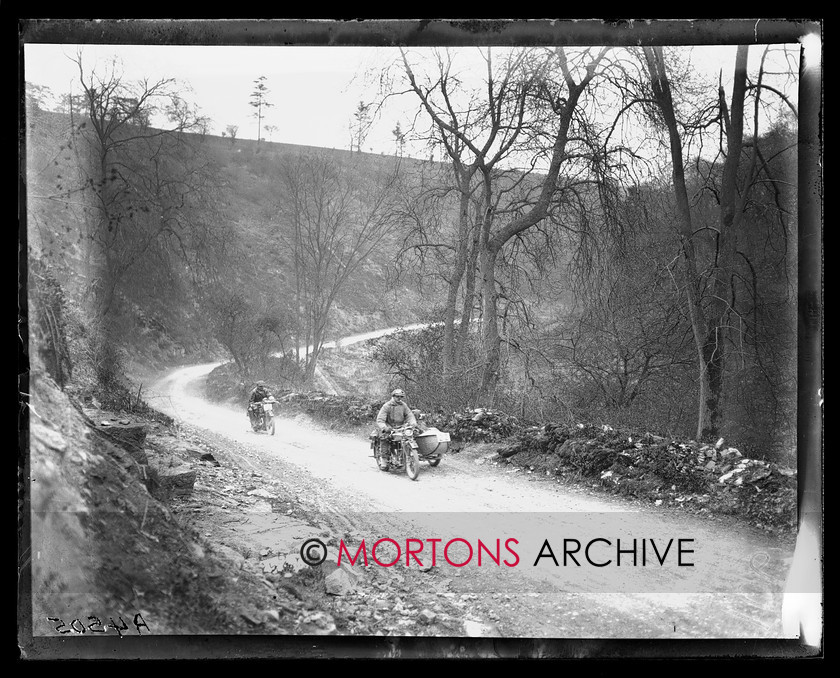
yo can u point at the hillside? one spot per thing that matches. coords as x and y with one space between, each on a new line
160 316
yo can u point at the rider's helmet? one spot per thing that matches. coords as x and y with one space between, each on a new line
398 393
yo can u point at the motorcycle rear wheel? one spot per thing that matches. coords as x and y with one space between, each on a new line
434 462
412 462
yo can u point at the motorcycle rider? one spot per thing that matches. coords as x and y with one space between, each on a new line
393 414
259 392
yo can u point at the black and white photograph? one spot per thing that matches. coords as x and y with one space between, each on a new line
420 339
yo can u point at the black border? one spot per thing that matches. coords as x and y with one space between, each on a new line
457 31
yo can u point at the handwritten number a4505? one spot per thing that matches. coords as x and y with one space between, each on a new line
96 625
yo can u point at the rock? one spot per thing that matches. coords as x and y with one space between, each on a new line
727 476
260 493
259 506
509 451
426 616
317 624
271 615
209 457
475 629
193 453
131 437
174 478
229 554
341 582
49 437
251 618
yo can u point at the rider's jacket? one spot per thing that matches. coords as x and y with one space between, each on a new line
258 394
395 413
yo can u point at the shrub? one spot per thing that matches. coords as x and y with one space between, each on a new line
413 360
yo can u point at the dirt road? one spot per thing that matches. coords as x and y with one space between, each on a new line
558 561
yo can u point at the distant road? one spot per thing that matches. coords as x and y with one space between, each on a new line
331 388
358 338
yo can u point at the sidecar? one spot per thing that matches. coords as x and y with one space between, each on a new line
432 444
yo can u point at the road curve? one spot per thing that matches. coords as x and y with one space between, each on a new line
728 584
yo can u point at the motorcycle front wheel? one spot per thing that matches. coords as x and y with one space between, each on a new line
271 426
412 462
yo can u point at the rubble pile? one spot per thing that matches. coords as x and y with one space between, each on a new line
345 409
712 478
476 425
703 477
471 425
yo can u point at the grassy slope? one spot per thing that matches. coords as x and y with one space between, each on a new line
55 221
366 301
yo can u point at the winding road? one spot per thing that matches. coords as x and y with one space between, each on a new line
556 560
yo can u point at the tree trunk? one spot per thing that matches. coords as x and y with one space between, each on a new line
717 338
709 425
491 341
708 329
469 303
492 245
449 313
105 239
461 249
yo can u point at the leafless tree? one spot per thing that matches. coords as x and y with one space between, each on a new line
142 180
525 86
333 219
476 131
709 249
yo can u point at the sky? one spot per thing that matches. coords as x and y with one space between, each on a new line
314 90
